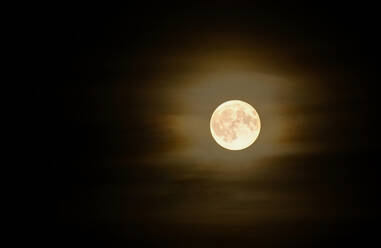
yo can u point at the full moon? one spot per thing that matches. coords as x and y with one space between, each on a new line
235 125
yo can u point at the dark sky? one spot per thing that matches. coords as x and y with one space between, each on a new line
131 160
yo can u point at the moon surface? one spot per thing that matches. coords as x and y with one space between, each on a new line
235 125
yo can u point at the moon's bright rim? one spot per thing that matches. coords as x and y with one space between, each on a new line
235 125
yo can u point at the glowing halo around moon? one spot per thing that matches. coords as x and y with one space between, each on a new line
235 125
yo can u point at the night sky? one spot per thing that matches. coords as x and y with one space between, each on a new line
131 159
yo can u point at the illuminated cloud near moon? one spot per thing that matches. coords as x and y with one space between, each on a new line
235 125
